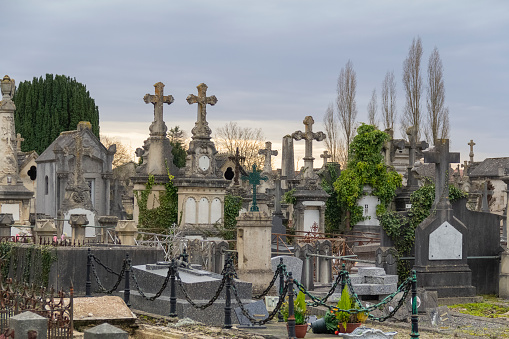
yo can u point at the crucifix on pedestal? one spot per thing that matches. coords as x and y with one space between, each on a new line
158 127
441 157
325 156
268 152
414 148
308 135
254 179
201 128
471 154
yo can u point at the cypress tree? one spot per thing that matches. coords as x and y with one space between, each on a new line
47 106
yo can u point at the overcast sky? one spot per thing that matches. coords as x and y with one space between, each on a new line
269 63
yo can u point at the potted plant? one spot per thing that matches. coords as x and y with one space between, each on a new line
300 313
338 321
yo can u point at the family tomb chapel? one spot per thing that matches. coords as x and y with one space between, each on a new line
74 175
201 184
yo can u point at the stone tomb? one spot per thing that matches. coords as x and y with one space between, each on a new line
441 239
200 287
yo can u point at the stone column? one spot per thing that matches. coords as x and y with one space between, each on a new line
126 231
254 230
6 221
45 230
106 221
78 222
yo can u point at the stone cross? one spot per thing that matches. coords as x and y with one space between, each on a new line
158 127
471 155
237 158
309 136
19 140
201 128
254 179
441 157
325 156
413 148
390 146
268 152
485 192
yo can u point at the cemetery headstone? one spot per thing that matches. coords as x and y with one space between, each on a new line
256 310
292 263
308 135
287 162
268 153
29 325
441 239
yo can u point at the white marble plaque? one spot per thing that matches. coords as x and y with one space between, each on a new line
190 211
203 211
310 217
445 243
215 211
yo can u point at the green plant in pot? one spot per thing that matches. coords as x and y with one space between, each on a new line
300 313
338 321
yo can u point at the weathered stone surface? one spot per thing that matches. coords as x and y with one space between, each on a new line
257 310
105 331
292 263
28 322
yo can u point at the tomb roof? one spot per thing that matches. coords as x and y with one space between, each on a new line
491 167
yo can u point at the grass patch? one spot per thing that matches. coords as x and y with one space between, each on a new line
484 309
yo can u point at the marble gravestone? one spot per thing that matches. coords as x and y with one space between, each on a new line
293 264
440 240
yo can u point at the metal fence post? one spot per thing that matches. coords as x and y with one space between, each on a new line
228 301
343 278
291 311
281 287
415 316
88 284
127 289
173 295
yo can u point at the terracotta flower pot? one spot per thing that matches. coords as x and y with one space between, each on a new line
300 330
349 327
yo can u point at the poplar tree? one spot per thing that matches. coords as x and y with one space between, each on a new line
47 106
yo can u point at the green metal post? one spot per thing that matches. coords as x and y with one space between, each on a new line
415 316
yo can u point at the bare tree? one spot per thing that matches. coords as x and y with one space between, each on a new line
124 152
412 82
389 101
248 140
372 109
333 141
437 126
345 102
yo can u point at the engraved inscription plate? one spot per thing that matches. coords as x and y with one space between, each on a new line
445 243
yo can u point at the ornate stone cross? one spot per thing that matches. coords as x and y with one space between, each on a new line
325 156
268 152
441 157
485 192
201 128
471 154
309 136
158 127
19 140
237 158
254 179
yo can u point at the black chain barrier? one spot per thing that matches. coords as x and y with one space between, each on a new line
100 285
279 271
109 270
210 302
271 315
163 287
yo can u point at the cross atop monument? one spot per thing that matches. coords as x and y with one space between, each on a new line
19 140
254 179
441 157
390 146
309 136
485 192
268 152
325 156
237 158
471 155
201 128
158 127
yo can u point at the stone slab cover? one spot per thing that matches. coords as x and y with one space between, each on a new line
256 310
445 243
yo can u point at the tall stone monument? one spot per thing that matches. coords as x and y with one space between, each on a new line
441 239
156 152
201 186
309 208
14 197
287 162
